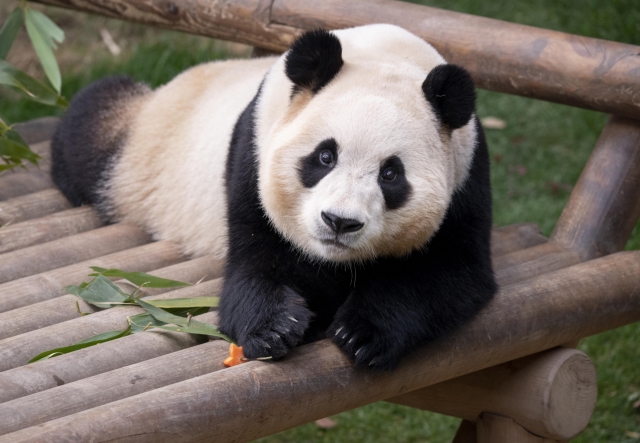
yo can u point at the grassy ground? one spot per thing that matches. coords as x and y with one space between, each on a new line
535 162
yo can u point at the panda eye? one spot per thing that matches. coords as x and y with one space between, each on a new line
326 157
389 174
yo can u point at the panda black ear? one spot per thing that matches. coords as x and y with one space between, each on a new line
314 59
451 92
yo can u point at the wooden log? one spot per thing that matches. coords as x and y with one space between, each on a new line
113 385
258 398
498 429
69 250
18 350
16 183
63 308
30 206
531 262
45 229
500 56
50 284
47 374
605 203
513 238
37 130
551 394
466 433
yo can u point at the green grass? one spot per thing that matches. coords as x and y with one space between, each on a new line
535 162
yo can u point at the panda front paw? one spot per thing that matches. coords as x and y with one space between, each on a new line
369 345
279 329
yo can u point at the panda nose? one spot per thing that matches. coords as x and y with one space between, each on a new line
341 225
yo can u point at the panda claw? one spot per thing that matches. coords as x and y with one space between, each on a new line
339 329
292 319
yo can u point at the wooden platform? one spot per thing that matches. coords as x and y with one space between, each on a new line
511 374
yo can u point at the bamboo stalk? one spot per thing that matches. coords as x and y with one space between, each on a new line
317 380
70 250
30 206
45 229
18 350
50 284
47 374
501 56
63 308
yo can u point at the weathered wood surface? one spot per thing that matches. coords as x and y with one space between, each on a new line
37 130
50 284
16 183
18 350
551 394
501 56
466 433
66 251
605 203
63 308
111 386
515 237
48 374
52 227
30 206
493 428
317 380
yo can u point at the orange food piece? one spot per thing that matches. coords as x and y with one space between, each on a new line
236 356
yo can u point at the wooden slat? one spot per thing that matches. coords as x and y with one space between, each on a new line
50 284
37 130
605 203
551 394
317 380
16 183
69 250
63 308
30 206
52 227
494 428
505 57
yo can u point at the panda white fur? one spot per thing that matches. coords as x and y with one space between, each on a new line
346 182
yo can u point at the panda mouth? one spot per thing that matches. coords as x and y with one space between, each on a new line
334 242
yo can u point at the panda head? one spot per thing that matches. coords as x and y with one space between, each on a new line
363 135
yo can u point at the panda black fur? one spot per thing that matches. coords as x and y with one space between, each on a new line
382 269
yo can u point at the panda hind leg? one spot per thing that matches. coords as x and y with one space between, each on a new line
91 135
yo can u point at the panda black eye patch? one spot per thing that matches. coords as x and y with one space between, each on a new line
315 166
393 182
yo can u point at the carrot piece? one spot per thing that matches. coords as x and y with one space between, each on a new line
236 356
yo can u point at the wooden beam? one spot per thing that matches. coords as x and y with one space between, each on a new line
605 203
551 394
52 227
515 237
37 130
466 433
497 429
318 380
16 183
50 284
69 250
501 56
30 206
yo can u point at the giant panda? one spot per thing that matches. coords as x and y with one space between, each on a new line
346 182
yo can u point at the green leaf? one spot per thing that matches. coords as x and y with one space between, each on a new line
17 152
198 302
91 341
44 45
32 88
101 292
47 28
9 31
190 326
139 278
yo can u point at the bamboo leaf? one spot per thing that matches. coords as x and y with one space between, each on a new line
17 152
139 278
198 302
91 341
9 31
47 28
101 292
183 324
32 88
44 45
